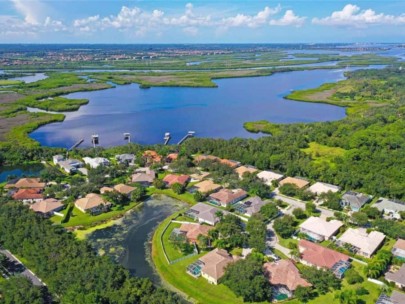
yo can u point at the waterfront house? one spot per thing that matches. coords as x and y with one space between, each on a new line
355 200
70 165
151 157
124 189
96 162
47 207
250 206
57 158
27 183
284 277
242 170
207 186
361 242
192 231
104 190
226 197
126 159
298 182
318 229
199 176
28 196
144 176
397 277
391 208
318 188
92 203
171 179
398 250
312 254
214 264
269 176
204 213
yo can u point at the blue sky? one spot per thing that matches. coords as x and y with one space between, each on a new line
171 21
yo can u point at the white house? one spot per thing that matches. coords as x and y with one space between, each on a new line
96 162
268 176
318 229
319 188
363 243
399 249
57 158
391 208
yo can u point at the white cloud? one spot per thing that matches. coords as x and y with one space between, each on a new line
33 11
352 15
288 19
254 21
191 31
188 19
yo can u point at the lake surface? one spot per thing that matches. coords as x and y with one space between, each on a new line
19 171
211 112
127 242
31 78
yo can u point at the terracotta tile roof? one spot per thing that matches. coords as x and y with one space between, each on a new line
124 189
215 262
152 156
230 163
171 179
243 169
27 194
199 158
194 230
284 272
106 189
27 183
320 256
227 196
172 156
400 244
145 175
207 186
46 206
300 183
90 201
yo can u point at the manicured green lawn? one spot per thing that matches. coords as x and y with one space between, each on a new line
175 276
172 252
185 197
78 218
286 242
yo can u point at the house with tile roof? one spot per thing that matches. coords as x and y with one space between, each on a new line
204 213
214 264
124 189
47 207
96 162
395 298
397 277
192 231
318 229
151 157
250 206
171 179
26 183
245 169
28 196
92 203
361 242
226 197
298 182
318 188
144 176
269 176
206 186
398 250
284 276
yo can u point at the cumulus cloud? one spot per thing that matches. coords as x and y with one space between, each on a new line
32 11
352 15
254 21
289 18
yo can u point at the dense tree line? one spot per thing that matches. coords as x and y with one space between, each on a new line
72 271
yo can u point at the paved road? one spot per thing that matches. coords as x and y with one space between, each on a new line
272 240
24 270
295 203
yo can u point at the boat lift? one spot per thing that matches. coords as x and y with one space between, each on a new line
167 138
188 135
95 140
127 137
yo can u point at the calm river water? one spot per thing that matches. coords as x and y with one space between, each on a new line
210 112
128 241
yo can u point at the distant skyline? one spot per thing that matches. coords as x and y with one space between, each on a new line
257 21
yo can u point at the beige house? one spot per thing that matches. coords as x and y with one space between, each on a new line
27 183
92 203
214 264
207 186
397 277
245 169
269 176
318 188
47 207
299 182
363 243
124 189
318 229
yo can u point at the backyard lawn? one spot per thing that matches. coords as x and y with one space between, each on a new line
172 252
185 197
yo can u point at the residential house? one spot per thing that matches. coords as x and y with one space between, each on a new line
26 183
204 213
317 229
395 298
124 189
47 207
226 197
151 157
193 231
207 186
312 254
391 208
399 249
250 206
70 165
202 157
92 203
171 179
284 277
104 190
199 176
397 277
96 162
126 159
244 170
298 182
355 200
318 188
171 157
362 243
57 158
269 176
144 176
230 163
214 264
28 196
